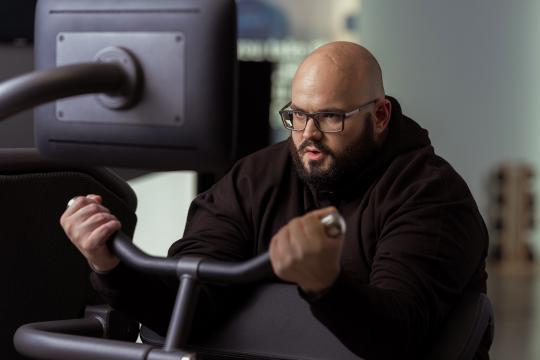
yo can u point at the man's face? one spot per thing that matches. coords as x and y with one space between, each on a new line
323 83
325 159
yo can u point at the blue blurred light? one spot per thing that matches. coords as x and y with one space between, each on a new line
258 19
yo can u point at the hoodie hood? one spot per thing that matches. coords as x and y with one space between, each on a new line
404 135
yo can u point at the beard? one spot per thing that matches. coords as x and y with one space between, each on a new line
341 166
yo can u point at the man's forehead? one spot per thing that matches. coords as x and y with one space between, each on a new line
322 101
326 94
320 108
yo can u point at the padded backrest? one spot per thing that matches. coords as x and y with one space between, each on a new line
275 323
469 324
44 277
272 323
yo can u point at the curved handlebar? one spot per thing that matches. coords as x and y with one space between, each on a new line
36 88
209 270
71 339
255 269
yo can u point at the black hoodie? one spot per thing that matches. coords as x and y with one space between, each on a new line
415 240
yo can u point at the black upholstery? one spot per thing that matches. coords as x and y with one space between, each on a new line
275 323
469 326
272 323
44 277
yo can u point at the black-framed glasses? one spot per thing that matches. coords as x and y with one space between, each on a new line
325 121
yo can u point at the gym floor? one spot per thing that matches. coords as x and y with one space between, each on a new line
515 294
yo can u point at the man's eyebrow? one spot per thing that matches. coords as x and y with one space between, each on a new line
294 107
329 109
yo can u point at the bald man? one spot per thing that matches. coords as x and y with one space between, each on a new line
415 241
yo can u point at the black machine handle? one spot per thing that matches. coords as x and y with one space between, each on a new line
255 269
36 88
252 270
57 340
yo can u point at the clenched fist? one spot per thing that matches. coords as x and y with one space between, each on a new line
88 225
301 252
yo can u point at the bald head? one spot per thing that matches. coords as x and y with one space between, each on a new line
339 69
339 78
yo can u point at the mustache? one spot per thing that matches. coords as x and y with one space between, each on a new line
317 145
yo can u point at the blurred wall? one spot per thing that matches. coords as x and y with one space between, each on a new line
467 71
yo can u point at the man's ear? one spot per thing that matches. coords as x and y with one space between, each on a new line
383 111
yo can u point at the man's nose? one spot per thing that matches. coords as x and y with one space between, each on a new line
311 131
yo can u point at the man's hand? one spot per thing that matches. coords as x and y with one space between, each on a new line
88 225
302 253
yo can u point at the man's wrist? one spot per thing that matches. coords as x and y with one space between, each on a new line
102 270
317 292
314 295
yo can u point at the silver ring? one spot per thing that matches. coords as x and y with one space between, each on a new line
70 202
334 224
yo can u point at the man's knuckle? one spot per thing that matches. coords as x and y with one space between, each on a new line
302 254
86 246
289 262
99 217
80 201
93 208
68 227
280 270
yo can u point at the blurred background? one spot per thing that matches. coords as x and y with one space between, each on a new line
467 71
